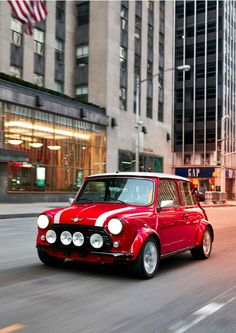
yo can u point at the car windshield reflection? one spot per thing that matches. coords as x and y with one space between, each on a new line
117 190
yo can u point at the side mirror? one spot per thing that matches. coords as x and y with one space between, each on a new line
167 203
71 200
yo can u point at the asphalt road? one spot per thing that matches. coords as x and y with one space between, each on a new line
186 295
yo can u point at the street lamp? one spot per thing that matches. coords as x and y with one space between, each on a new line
138 123
222 171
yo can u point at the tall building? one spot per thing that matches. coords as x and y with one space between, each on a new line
68 94
204 111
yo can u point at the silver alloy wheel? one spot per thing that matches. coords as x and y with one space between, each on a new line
206 243
150 257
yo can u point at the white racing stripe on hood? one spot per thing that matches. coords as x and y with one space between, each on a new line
102 218
58 215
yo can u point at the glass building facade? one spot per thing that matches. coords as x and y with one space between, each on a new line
61 150
205 108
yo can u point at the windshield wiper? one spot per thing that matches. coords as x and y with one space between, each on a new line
86 200
117 200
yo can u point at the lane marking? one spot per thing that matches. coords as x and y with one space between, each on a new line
197 316
11 328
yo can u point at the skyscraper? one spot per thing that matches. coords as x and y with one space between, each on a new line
67 98
204 112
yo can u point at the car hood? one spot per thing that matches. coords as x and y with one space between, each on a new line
92 214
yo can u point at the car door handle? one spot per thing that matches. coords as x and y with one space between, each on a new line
186 215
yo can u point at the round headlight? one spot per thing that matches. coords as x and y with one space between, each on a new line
43 221
66 237
78 239
115 226
51 236
96 241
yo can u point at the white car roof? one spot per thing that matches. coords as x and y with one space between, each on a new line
140 174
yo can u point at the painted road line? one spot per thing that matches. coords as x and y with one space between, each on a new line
11 328
194 318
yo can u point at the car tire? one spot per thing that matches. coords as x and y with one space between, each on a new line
49 260
146 265
203 251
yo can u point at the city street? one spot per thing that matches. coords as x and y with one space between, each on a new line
185 296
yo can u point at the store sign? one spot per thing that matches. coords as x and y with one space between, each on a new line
196 172
40 176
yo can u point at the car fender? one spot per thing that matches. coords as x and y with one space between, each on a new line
140 238
200 231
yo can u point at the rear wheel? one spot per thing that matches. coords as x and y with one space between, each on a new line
49 260
146 265
203 251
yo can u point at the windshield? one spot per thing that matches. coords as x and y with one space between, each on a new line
120 190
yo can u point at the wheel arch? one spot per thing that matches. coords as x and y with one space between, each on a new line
209 226
200 232
140 238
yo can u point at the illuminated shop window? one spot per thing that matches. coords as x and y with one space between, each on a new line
61 150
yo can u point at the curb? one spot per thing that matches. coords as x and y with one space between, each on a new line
15 216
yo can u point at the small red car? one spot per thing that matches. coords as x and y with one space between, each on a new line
137 218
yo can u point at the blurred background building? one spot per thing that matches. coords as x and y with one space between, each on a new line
204 111
67 94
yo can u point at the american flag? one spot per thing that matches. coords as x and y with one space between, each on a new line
29 12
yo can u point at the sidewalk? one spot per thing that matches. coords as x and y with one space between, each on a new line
19 210
227 203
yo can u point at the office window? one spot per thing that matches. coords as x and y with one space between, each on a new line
200 7
81 90
82 52
179 10
149 107
59 51
83 12
38 37
201 29
16 32
150 5
160 111
123 57
60 11
123 98
211 47
124 18
150 36
59 86
211 26
138 26
200 49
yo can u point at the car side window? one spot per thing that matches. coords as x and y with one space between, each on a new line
168 192
187 195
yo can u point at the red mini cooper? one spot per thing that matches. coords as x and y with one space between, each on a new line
137 218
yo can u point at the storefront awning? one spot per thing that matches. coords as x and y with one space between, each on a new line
7 155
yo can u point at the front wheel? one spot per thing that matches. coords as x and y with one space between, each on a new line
49 260
203 251
146 265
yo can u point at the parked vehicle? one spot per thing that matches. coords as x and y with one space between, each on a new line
136 218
